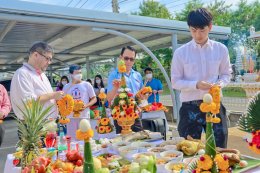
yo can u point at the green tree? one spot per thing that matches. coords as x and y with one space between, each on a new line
192 5
153 8
221 12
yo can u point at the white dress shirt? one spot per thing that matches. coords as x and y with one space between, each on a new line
192 63
27 83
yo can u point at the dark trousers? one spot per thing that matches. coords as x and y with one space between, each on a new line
2 132
193 121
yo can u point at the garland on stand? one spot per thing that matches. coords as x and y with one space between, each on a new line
104 124
211 162
250 122
65 106
86 133
78 107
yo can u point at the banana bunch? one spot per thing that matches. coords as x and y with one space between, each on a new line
30 157
18 154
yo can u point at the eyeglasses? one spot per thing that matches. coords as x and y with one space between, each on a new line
127 58
49 59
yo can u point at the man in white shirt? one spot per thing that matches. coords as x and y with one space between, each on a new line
79 90
30 81
196 67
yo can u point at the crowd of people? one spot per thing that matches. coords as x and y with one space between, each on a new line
196 67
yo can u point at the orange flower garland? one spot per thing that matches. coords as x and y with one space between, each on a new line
78 107
65 106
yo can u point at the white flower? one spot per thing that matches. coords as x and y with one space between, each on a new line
122 102
102 90
122 113
207 98
121 90
127 89
84 125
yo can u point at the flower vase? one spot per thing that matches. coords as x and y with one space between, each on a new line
126 125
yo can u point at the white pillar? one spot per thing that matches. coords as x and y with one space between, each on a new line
87 67
177 102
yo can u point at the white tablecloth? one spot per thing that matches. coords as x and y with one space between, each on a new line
9 167
156 114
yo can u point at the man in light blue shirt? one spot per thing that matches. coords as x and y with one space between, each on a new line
133 78
154 83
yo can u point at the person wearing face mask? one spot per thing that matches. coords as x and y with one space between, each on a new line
154 83
63 81
79 90
30 81
98 84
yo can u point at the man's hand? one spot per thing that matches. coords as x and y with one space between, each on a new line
58 95
1 115
116 83
202 85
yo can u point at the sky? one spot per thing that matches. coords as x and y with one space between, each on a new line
126 6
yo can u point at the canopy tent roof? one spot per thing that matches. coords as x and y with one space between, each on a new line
69 31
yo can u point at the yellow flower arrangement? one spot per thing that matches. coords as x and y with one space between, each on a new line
104 121
65 105
108 129
205 162
78 107
84 135
102 96
121 66
104 124
64 120
101 129
222 162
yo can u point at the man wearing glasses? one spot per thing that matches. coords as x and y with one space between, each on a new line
133 78
30 81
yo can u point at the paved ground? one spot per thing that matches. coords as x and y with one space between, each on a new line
10 140
231 103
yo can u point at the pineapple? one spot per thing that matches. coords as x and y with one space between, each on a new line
31 129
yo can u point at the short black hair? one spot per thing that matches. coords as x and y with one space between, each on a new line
41 47
199 18
148 69
74 67
129 48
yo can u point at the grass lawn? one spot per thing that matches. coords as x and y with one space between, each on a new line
227 92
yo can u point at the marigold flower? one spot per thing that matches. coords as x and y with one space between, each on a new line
205 162
222 164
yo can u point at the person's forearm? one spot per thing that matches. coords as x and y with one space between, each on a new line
111 95
92 102
46 97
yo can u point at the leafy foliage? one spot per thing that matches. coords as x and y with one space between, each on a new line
153 8
251 121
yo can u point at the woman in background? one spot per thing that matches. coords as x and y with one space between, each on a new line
63 81
98 84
